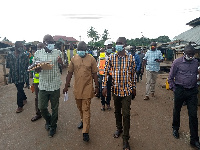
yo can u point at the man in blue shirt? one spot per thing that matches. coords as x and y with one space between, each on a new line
137 60
152 61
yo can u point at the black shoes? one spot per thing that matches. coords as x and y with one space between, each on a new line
47 125
80 125
86 137
176 134
52 132
195 144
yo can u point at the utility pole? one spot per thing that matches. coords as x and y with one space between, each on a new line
80 37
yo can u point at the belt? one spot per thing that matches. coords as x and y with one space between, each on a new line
187 89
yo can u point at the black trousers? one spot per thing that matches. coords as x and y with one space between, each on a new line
20 94
122 111
190 97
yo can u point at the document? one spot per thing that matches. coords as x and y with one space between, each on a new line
66 97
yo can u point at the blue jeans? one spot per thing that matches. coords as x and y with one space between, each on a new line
109 84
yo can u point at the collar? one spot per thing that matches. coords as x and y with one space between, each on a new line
185 61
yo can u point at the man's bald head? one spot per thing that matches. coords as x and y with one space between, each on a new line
48 38
19 46
121 40
82 46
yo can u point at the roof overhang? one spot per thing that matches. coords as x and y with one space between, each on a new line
191 35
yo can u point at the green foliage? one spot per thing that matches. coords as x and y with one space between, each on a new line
143 41
95 37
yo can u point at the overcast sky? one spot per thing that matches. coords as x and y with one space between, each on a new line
30 20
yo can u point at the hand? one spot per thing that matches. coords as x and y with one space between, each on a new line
142 70
60 60
104 92
134 92
96 92
65 90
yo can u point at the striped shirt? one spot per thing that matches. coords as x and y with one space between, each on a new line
123 74
49 80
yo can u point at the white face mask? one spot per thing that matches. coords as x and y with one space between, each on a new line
189 58
50 46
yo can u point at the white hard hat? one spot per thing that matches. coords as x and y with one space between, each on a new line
107 42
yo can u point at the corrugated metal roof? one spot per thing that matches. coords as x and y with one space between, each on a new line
191 35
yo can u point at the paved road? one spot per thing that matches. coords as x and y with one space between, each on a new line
150 124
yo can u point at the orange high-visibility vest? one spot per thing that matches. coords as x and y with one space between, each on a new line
102 66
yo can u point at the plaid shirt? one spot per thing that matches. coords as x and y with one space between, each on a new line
123 74
49 80
150 56
18 68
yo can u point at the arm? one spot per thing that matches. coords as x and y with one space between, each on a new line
105 77
160 58
144 62
95 77
68 79
172 74
133 79
69 76
137 62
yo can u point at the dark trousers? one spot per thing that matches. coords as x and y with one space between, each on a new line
20 94
109 84
44 97
139 75
190 97
38 113
122 104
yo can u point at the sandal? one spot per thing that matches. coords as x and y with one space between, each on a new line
126 145
117 133
36 118
103 108
108 107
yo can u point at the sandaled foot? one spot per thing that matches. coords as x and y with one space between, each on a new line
36 118
108 107
117 133
126 145
103 108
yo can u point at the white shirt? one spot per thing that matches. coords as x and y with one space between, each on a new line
50 80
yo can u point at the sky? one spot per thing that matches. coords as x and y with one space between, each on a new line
30 20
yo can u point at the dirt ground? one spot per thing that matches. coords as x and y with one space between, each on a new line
150 123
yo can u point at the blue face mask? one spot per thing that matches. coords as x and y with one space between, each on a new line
81 53
50 46
119 48
109 50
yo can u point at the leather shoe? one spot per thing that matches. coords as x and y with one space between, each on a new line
86 137
19 110
80 125
176 134
195 144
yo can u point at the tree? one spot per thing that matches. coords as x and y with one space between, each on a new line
5 39
105 35
93 35
163 39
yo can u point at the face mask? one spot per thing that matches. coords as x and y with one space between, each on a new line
109 50
119 48
188 58
50 46
153 47
81 53
139 52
